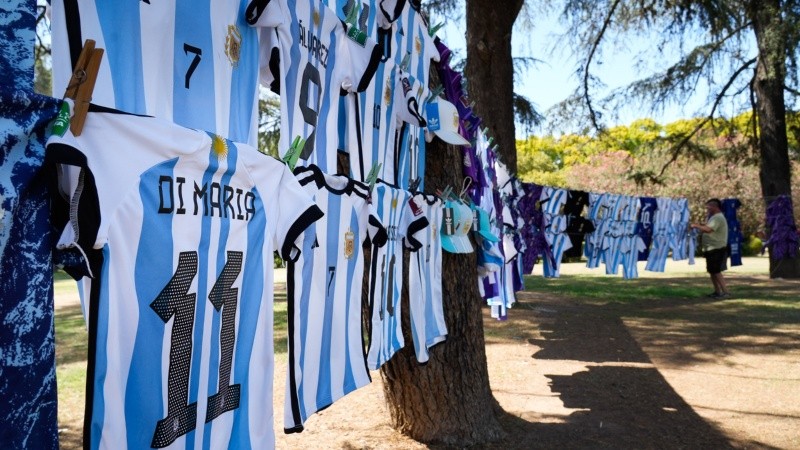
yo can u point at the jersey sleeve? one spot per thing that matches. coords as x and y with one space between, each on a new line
408 98
266 13
376 232
413 222
389 11
361 58
292 209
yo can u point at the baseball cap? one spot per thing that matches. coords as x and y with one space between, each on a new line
482 225
443 121
456 224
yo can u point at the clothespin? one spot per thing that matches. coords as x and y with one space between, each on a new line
435 91
405 62
293 154
414 184
445 193
372 177
432 30
352 15
81 84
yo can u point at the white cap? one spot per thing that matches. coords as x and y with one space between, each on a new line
443 120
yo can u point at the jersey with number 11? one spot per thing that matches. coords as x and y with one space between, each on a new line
181 229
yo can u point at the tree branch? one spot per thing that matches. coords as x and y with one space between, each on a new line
595 45
791 90
676 149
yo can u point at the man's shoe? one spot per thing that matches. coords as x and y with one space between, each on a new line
713 295
724 295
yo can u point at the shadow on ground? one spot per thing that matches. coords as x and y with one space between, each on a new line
623 401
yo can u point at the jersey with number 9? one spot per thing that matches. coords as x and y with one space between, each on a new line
320 57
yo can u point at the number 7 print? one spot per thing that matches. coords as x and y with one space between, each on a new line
198 53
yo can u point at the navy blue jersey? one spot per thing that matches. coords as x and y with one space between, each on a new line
644 224
735 237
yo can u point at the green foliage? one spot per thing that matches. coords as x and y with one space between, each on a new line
752 246
637 159
269 123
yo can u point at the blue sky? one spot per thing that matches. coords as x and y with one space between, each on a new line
553 79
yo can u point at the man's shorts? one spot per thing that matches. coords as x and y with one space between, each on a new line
716 260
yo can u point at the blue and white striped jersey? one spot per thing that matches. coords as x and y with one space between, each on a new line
428 327
320 57
404 222
414 42
192 62
326 348
180 227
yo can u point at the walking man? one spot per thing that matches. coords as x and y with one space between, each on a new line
715 246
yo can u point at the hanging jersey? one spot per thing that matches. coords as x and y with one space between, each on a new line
194 63
326 352
181 227
28 412
644 227
425 282
404 222
319 58
735 237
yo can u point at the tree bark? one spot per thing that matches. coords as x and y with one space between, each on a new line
448 400
490 70
775 170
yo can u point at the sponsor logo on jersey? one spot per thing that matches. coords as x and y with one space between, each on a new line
313 44
177 195
349 244
233 45
415 208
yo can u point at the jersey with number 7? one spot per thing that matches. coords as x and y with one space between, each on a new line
320 57
192 62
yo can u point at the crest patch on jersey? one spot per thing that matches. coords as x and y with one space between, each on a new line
394 203
349 244
233 45
387 93
417 44
219 147
316 18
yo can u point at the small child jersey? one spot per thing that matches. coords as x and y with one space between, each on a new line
326 350
192 62
320 56
404 222
180 227
425 282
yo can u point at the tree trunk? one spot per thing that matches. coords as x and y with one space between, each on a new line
775 171
490 70
448 400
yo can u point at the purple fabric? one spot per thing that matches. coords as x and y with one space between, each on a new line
533 231
783 239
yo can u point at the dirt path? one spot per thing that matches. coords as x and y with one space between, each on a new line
682 373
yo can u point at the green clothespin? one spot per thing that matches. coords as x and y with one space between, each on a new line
434 93
352 15
372 177
61 124
291 156
445 194
432 30
405 63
